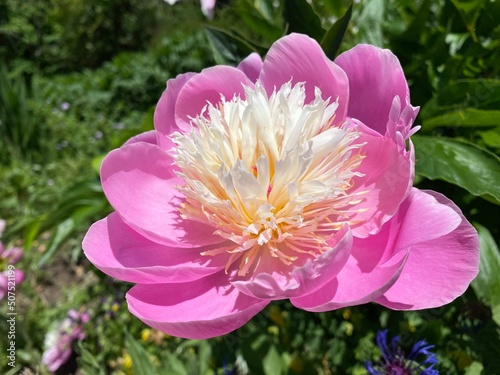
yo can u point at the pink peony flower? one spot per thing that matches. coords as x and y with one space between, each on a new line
59 341
8 273
284 179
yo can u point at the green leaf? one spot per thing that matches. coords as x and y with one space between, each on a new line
301 18
141 363
204 354
88 363
418 25
62 231
337 8
227 49
491 137
460 163
487 283
333 37
174 366
486 340
265 8
466 117
272 363
370 23
475 368
469 10
262 20
464 94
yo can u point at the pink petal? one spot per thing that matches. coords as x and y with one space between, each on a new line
3 284
13 255
199 309
272 280
388 177
164 117
444 253
375 78
122 253
140 184
298 58
366 276
208 86
19 276
207 7
251 66
148 137
54 357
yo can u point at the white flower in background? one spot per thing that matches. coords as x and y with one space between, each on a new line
207 7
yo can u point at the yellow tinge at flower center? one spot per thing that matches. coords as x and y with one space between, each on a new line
269 173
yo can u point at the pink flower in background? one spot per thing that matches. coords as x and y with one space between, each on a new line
59 341
207 7
10 277
289 178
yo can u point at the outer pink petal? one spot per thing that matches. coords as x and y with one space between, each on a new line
164 117
251 66
200 309
271 283
365 277
122 253
299 58
148 137
140 184
375 78
439 268
388 177
208 86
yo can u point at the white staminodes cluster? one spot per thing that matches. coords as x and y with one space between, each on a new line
271 174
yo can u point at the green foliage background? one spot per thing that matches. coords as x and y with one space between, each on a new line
78 78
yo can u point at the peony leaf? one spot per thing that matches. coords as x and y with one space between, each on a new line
60 234
333 37
301 18
491 137
460 163
466 117
487 283
227 49
370 22
141 363
469 9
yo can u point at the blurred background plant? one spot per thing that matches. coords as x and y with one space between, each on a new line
78 78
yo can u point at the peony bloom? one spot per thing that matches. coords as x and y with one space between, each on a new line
207 7
394 361
284 179
10 277
59 342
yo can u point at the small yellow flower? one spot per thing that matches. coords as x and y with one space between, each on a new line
145 334
273 330
127 361
346 314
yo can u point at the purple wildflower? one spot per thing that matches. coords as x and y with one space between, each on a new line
59 342
394 361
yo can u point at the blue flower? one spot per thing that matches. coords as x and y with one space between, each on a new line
394 361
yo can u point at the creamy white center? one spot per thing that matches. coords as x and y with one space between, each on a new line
272 174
